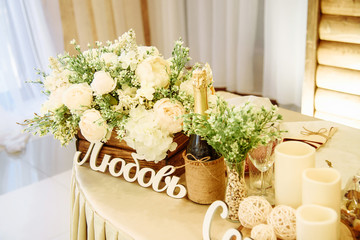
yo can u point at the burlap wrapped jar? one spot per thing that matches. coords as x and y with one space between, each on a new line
205 180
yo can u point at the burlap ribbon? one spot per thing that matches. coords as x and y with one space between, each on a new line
201 161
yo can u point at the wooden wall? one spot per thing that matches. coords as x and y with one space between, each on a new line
331 88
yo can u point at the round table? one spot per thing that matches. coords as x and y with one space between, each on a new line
106 207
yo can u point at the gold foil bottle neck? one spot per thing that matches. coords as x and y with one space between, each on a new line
199 78
200 91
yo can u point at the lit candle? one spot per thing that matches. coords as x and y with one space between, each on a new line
316 222
291 159
322 186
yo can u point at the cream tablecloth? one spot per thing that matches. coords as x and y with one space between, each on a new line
105 207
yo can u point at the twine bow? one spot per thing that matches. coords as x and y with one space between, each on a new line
321 132
201 161
305 136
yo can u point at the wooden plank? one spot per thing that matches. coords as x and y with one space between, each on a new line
308 91
355 123
179 138
336 54
337 103
338 79
340 28
341 7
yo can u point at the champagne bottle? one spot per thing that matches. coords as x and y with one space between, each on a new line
197 146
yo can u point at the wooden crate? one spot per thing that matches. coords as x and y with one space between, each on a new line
119 149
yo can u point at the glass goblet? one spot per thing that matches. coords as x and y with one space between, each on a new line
262 158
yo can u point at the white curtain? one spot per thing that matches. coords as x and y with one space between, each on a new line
284 56
25 44
254 47
167 24
224 33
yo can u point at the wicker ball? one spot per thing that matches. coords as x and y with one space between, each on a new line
263 232
253 210
283 220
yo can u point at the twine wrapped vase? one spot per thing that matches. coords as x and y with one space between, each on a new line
205 180
235 188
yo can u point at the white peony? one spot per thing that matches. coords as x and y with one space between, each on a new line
78 97
55 100
166 114
109 58
144 135
103 83
153 72
92 126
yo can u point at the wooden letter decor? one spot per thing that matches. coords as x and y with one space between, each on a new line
231 233
132 172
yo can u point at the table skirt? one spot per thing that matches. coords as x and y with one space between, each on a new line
86 223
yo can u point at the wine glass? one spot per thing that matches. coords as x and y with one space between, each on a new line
262 157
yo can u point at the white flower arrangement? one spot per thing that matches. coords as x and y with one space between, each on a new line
118 86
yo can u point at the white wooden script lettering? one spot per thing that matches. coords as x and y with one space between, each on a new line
171 182
232 232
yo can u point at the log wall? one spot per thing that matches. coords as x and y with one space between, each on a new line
335 84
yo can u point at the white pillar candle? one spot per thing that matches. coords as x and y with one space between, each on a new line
322 186
291 159
316 222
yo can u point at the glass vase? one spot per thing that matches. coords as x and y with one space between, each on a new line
235 188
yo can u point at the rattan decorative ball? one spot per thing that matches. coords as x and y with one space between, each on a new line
263 232
253 210
283 220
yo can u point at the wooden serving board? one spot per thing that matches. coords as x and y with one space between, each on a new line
119 149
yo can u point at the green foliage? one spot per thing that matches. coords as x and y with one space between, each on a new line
233 132
61 123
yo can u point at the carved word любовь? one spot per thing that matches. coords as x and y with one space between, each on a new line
171 182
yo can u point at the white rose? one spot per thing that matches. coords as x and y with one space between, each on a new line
109 58
153 72
167 112
55 100
103 83
92 126
78 96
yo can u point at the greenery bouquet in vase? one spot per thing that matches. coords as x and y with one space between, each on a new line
233 132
